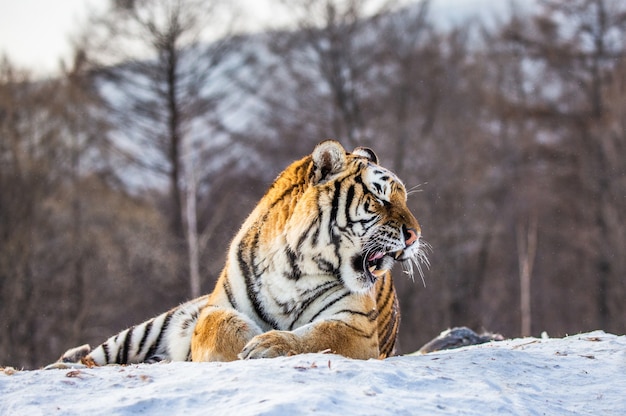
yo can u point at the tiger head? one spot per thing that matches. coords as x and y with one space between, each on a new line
349 218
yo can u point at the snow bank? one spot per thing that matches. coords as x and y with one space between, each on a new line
581 374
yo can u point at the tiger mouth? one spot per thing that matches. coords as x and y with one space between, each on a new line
377 263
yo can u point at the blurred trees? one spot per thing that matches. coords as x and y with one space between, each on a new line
511 137
70 238
156 77
577 47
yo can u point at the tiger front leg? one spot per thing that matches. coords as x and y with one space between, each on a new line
221 334
336 336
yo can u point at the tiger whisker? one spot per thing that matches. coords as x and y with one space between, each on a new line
415 189
420 258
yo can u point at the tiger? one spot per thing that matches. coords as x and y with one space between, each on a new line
308 271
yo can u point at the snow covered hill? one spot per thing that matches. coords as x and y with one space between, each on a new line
582 374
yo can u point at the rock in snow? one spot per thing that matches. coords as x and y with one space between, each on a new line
582 374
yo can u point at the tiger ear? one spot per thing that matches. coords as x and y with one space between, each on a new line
366 152
329 157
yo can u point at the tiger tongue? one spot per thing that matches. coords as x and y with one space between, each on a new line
375 256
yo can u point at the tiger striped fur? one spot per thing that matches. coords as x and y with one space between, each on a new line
308 271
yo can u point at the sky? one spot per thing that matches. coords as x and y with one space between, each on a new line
35 33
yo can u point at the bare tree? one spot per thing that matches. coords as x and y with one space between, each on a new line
409 49
526 251
158 76
193 242
335 45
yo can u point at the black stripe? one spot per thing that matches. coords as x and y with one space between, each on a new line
118 356
157 343
313 227
302 166
251 275
119 347
334 207
105 348
328 305
388 296
191 319
126 346
282 195
335 238
245 270
371 315
387 340
313 295
189 322
359 331
292 257
146 333
229 293
349 198
325 266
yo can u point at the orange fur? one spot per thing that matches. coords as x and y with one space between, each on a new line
220 335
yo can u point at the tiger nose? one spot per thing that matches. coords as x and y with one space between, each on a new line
410 235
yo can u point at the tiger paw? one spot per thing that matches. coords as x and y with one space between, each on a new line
272 344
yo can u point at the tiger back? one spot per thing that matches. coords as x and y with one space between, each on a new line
308 271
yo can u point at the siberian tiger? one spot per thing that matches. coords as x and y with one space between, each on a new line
308 271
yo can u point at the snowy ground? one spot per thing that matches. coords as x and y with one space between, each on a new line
581 374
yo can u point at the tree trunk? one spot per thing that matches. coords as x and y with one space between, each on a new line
526 249
192 230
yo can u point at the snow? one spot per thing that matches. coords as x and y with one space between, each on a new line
582 374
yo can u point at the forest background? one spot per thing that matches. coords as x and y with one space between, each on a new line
123 179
